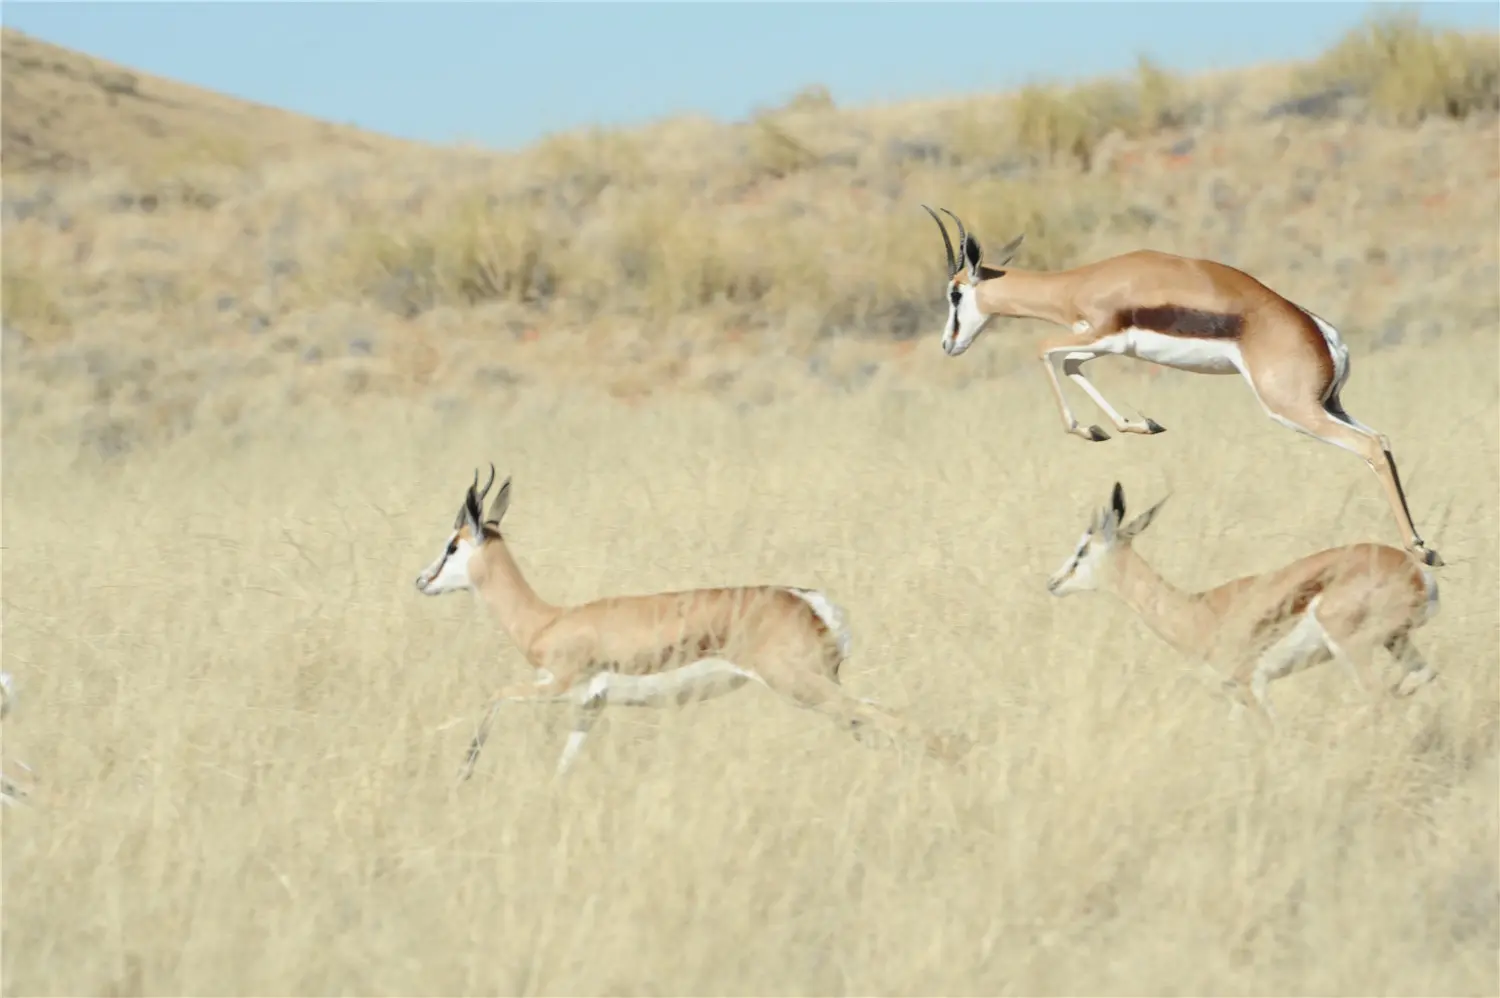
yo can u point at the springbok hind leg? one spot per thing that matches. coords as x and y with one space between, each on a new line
1417 672
827 697
1329 423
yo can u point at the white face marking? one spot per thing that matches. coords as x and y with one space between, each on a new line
965 321
701 680
450 571
1181 352
1080 571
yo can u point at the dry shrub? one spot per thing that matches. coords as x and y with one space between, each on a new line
474 249
1056 124
30 305
656 250
1409 71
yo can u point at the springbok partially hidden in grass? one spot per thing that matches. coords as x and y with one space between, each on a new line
1193 315
652 650
1340 603
10 791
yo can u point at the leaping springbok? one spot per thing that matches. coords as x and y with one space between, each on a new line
1192 315
1340 603
652 650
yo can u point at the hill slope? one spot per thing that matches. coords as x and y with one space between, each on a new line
199 251
67 112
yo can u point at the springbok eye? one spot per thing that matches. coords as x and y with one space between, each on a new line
955 296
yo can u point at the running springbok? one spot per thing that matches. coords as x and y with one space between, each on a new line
1339 603
653 650
1192 315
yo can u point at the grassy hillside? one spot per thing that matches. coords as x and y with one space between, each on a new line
263 370
739 259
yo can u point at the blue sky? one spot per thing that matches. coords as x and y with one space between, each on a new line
504 74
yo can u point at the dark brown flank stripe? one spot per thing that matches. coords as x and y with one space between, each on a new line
1174 320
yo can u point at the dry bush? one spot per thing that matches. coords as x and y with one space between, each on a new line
1062 125
30 305
1409 71
244 723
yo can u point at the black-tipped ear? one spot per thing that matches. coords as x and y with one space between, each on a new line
1131 530
499 504
471 511
1003 257
1117 503
973 254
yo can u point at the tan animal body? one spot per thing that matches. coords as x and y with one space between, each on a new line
1341 604
1192 315
653 650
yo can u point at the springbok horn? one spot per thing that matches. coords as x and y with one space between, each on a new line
947 243
963 236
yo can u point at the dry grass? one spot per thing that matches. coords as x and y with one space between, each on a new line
801 222
263 359
1409 71
245 722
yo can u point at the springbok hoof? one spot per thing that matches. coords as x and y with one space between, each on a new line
1096 434
1152 426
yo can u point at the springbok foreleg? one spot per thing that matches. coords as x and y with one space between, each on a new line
1072 364
551 691
1049 355
583 722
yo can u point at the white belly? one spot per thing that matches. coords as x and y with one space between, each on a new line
701 680
1182 352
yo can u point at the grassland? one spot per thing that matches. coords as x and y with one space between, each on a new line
264 382
246 722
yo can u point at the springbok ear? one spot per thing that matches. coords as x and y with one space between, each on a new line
1003 257
499 504
1143 521
973 256
471 514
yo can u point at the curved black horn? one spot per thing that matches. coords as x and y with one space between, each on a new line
963 236
479 497
947 243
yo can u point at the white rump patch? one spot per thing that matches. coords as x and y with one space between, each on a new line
1201 356
831 614
1336 349
699 680
1430 609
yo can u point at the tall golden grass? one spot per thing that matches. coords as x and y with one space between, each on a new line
246 723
